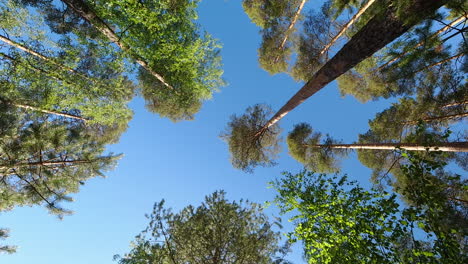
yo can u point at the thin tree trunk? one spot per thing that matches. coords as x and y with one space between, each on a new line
455 104
458 20
39 55
447 147
291 26
89 15
347 26
437 118
441 62
363 44
67 163
28 107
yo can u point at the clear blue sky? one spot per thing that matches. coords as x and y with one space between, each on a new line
183 162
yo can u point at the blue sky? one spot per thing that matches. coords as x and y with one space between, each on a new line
182 162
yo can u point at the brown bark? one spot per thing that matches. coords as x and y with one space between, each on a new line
363 44
80 7
437 118
446 147
291 25
347 26
449 26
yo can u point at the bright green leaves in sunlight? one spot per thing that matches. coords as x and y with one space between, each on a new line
181 66
217 231
338 221
249 149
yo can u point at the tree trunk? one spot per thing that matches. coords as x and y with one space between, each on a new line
447 147
291 25
80 7
39 55
28 107
66 163
376 34
437 118
455 104
449 26
347 26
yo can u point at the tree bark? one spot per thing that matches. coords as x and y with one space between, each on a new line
291 25
376 34
80 7
456 21
347 26
28 107
446 147
39 55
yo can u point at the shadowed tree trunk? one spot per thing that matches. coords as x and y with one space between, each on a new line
363 44
347 26
89 15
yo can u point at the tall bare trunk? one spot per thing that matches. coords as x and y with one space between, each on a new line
438 118
447 147
291 26
347 26
363 44
449 26
89 15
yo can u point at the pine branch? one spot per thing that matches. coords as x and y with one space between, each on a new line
347 26
447 27
81 8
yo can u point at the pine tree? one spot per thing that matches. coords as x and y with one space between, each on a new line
368 40
217 231
179 63
43 160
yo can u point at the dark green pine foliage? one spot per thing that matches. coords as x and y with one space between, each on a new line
259 148
69 75
300 145
317 30
338 221
43 160
217 231
278 20
4 234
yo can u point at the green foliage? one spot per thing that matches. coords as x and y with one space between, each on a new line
339 222
217 231
164 34
317 31
303 146
4 233
250 147
43 161
336 220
